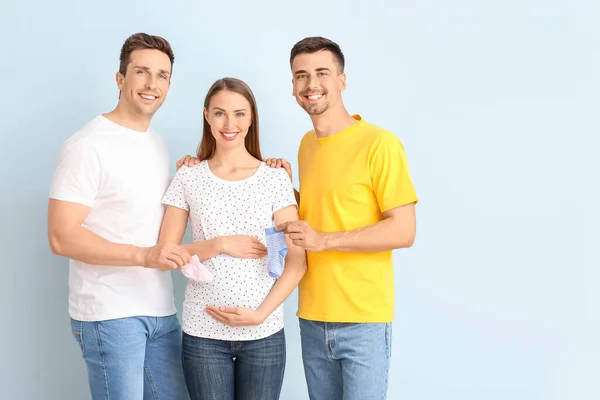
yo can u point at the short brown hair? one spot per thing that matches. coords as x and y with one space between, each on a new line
314 44
208 145
141 41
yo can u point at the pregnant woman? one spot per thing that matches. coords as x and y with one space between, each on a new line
233 340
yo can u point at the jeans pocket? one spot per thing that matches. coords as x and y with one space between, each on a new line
77 331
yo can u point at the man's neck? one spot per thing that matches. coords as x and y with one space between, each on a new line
331 122
129 119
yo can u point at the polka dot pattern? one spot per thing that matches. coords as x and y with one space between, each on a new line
221 208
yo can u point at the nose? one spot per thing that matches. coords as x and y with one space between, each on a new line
313 82
151 81
228 123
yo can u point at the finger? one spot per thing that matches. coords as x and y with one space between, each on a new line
175 254
170 265
181 253
257 254
230 310
214 311
282 227
223 315
297 236
217 317
293 227
259 246
299 242
191 161
176 259
225 318
185 255
196 160
279 163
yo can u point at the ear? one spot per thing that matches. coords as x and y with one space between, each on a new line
293 91
342 82
205 114
120 80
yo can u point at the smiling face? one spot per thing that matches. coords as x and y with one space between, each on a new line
318 82
145 85
229 115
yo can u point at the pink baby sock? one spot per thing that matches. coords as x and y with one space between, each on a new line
196 271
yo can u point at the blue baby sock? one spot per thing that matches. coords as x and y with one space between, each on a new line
276 251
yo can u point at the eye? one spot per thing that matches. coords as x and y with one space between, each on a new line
140 72
301 76
162 76
219 113
240 114
322 73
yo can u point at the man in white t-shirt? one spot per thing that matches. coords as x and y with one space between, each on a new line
105 214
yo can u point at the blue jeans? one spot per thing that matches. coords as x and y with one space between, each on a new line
228 370
135 358
344 361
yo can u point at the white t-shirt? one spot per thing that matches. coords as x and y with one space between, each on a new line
122 175
222 208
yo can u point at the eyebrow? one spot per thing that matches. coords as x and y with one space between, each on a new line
303 71
218 108
162 71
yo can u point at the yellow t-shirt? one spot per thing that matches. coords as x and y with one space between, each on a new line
347 181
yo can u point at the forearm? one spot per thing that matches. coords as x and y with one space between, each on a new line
292 274
297 195
382 236
173 230
79 243
205 249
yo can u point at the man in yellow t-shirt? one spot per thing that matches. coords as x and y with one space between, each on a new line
357 204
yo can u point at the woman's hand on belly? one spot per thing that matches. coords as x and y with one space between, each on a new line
236 316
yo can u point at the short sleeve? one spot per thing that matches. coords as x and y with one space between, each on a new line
77 174
390 175
175 195
282 189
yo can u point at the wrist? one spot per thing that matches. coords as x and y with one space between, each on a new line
330 240
261 315
327 240
219 244
138 255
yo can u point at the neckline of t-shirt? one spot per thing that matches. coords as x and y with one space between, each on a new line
123 128
248 179
344 132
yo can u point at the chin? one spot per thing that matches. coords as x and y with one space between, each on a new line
315 110
148 112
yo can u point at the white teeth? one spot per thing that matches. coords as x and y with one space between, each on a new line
229 135
147 97
315 96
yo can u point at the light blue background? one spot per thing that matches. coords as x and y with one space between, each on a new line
496 103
